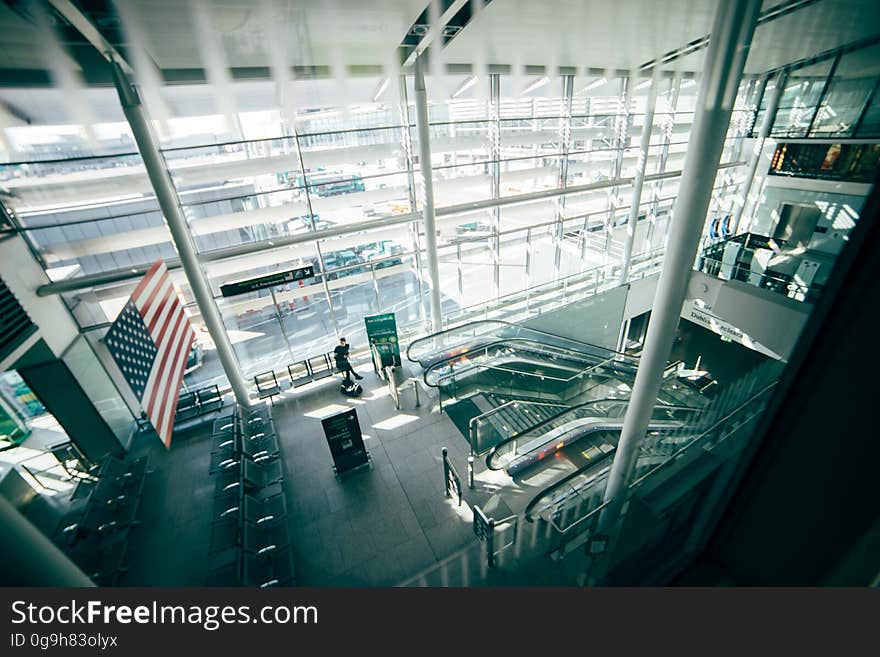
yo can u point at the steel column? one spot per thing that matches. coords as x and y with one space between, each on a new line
619 141
428 186
668 127
406 142
495 157
729 43
324 284
823 94
639 180
868 101
169 202
562 180
755 159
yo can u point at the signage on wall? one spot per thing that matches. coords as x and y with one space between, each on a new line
269 280
343 433
702 316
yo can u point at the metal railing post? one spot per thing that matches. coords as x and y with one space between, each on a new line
470 471
445 453
490 543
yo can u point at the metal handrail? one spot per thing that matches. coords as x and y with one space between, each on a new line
544 377
554 286
504 325
392 385
574 409
484 349
674 456
514 402
740 408
451 378
791 285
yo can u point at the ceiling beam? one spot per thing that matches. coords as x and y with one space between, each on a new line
90 33
766 16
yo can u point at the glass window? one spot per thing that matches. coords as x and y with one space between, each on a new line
99 388
854 80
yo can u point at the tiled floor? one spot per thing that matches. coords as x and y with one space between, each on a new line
381 525
376 526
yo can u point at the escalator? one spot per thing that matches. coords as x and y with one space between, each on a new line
492 360
462 340
563 456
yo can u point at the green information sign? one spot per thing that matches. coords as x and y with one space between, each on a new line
382 332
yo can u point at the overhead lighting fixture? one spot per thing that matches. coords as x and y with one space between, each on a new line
464 86
380 90
537 84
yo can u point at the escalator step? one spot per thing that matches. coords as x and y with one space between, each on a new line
511 420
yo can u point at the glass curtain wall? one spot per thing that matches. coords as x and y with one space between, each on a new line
334 186
836 97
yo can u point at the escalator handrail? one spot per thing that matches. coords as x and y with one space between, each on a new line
716 423
657 428
494 451
709 430
504 343
552 418
507 404
574 355
573 475
432 336
505 325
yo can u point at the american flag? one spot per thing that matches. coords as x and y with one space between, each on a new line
150 341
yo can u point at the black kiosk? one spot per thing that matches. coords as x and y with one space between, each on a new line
343 433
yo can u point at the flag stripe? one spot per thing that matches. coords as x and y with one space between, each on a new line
148 280
179 369
169 396
151 341
161 322
163 395
154 394
154 304
161 330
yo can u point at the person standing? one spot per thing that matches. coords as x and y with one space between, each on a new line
342 364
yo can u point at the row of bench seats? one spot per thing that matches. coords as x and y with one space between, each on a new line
95 533
191 404
300 374
250 543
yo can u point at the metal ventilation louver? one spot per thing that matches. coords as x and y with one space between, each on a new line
15 325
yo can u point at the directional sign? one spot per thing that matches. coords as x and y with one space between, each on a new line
269 280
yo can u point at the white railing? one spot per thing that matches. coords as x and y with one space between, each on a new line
540 298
